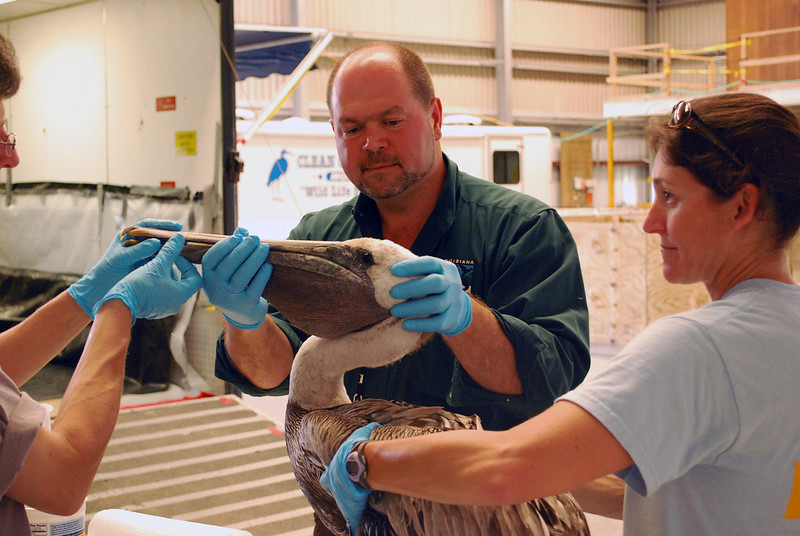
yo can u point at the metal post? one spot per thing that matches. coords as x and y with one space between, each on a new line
232 165
503 72
610 140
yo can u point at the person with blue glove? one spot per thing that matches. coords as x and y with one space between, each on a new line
497 277
694 414
52 470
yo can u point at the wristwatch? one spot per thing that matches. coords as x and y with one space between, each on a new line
356 464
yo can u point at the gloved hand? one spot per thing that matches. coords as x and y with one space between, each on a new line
436 300
235 273
350 497
155 290
117 262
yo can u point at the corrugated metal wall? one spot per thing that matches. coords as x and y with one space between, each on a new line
560 49
559 52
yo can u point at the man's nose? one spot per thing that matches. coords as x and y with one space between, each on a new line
374 138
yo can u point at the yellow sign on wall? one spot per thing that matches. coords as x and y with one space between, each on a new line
186 143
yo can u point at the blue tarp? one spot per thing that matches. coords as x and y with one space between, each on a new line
272 58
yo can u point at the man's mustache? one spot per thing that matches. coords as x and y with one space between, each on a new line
374 159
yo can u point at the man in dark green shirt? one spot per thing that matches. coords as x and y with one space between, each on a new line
522 340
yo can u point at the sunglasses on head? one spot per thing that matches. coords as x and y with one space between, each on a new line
684 117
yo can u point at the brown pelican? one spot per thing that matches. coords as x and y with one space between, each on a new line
320 416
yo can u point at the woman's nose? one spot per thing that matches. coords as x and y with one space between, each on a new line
653 222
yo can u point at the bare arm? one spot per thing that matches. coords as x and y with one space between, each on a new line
31 344
556 451
67 457
485 352
603 496
263 355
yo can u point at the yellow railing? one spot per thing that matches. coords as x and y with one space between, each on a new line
663 79
692 62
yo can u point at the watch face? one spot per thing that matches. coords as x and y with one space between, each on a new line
353 466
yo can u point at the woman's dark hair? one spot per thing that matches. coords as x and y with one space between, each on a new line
417 72
9 71
763 135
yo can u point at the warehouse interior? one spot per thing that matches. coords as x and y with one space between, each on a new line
180 110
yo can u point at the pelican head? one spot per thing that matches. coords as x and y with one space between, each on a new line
374 346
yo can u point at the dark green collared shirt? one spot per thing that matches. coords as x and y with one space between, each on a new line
516 254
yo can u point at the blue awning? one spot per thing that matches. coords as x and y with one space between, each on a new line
263 50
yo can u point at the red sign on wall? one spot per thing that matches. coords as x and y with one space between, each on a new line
164 104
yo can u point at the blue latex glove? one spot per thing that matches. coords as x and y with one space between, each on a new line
235 273
155 290
350 497
117 262
436 299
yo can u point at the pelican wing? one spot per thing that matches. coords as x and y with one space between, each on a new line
321 432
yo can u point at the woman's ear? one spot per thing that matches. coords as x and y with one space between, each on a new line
747 199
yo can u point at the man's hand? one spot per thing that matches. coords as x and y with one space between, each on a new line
436 301
235 273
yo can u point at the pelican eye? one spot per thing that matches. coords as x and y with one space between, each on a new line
367 258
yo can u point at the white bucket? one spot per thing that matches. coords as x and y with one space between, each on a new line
43 524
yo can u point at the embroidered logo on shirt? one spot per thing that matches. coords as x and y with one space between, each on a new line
465 270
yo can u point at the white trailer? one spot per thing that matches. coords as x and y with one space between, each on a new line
291 168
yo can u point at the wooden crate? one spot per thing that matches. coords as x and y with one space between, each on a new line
623 273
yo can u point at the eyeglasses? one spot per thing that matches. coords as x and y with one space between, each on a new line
10 142
684 117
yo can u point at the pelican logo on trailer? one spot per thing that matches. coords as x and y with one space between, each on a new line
279 169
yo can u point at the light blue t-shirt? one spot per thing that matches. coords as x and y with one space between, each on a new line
707 404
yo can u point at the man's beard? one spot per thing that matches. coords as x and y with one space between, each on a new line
398 185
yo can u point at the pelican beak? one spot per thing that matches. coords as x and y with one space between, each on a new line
323 288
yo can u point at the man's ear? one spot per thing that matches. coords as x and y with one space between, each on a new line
435 110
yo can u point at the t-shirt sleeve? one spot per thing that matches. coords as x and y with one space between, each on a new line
667 399
20 420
